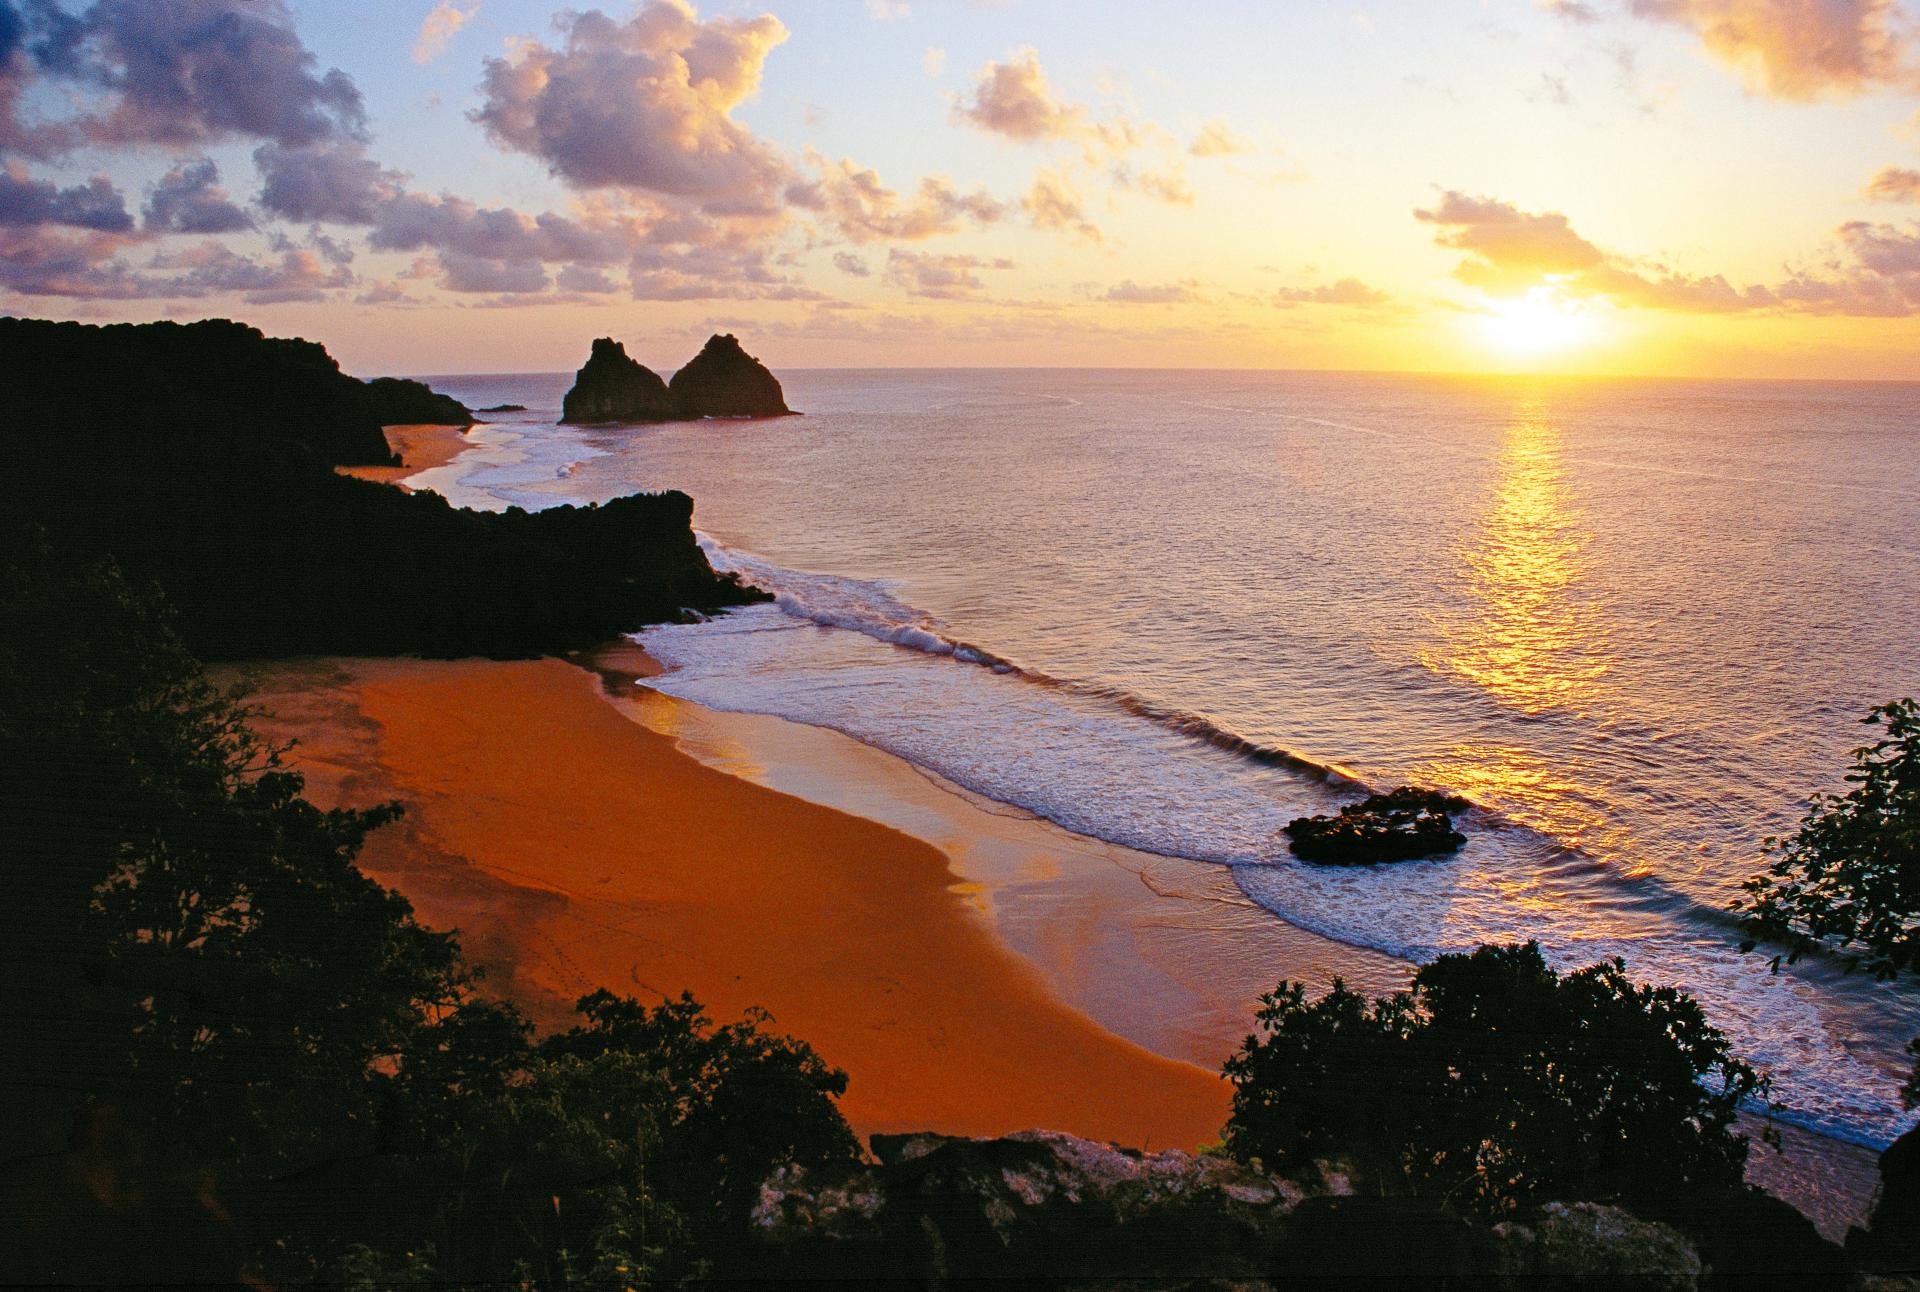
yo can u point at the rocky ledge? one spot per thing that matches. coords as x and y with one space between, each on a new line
723 380
1400 826
1050 1208
615 388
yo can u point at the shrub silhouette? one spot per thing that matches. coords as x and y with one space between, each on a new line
1495 1082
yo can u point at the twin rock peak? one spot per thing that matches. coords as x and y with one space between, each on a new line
723 380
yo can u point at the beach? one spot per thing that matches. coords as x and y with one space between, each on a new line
575 848
421 448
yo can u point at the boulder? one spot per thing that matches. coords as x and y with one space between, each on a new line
1400 826
613 388
723 380
1056 1211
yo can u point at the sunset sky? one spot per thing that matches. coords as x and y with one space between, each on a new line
1688 187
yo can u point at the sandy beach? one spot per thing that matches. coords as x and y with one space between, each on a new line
573 848
421 448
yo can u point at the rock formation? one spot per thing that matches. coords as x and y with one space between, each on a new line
1065 1212
723 380
614 388
1400 826
400 402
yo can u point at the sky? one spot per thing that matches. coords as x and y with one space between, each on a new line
1716 188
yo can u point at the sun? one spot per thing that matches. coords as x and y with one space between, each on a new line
1545 321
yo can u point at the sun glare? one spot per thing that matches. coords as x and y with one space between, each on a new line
1543 322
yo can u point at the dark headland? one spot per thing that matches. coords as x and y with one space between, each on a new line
723 380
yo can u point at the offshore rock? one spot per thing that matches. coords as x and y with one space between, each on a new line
614 388
1400 826
723 380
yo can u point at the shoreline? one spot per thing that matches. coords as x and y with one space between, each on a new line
976 970
574 848
421 446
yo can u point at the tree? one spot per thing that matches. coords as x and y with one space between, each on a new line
1494 1082
1850 878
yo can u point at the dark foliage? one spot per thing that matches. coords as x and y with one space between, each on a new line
1850 879
263 550
614 388
232 1057
168 386
1495 1082
723 380
398 401
1402 825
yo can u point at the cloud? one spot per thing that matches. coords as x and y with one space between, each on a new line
1169 186
442 23
332 182
1894 184
887 10
863 209
181 73
189 199
461 272
1509 251
1506 247
211 268
579 278
1128 292
1216 139
1347 291
1788 49
1573 10
455 226
1013 99
1051 203
644 104
939 277
934 61
95 205
848 263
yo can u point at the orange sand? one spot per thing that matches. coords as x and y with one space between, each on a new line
574 848
421 448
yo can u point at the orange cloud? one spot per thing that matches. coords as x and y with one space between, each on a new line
1796 49
1894 184
1014 99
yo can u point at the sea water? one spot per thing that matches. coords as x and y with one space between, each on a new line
1634 622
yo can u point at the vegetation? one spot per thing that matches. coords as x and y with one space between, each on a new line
1848 882
203 462
1402 825
232 1055
1495 1082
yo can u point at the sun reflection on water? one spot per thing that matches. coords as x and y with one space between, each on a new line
1528 634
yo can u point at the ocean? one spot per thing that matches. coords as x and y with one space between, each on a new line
1634 622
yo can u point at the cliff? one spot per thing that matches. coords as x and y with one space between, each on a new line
200 458
400 402
185 386
723 380
614 388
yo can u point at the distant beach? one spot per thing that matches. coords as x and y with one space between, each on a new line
421 448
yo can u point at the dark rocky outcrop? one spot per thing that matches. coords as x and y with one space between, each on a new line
200 457
398 401
1399 826
1058 1211
723 380
180 387
1891 1240
503 408
613 388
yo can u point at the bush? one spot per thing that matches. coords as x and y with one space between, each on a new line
1494 1083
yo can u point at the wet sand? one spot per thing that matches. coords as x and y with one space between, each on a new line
574 848
421 448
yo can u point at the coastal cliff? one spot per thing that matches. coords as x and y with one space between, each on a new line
398 401
615 388
201 458
723 380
